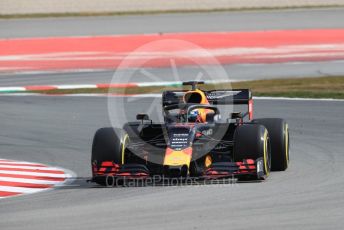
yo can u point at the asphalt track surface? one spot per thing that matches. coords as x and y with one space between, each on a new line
168 23
59 130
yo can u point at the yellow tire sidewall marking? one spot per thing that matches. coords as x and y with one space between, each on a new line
123 146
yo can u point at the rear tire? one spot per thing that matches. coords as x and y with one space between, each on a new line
108 145
251 141
279 137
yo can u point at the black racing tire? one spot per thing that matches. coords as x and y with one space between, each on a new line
251 141
279 139
109 145
197 167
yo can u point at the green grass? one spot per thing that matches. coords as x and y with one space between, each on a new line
321 87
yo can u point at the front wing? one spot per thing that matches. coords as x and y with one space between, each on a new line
248 167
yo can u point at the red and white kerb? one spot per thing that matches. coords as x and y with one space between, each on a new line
20 177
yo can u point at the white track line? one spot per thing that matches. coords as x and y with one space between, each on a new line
38 174
89 86
31 181
97 70
20 189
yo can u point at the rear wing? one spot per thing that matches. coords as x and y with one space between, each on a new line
229 97
215 97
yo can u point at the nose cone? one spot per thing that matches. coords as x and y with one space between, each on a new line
178 157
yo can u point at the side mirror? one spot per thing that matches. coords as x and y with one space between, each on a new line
213 117
142 117
236 115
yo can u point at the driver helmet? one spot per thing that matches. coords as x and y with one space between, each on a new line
193 116
197 97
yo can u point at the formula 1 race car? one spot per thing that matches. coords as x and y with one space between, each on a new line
193 141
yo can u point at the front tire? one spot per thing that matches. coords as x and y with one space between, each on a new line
251 141
279 136
108 145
